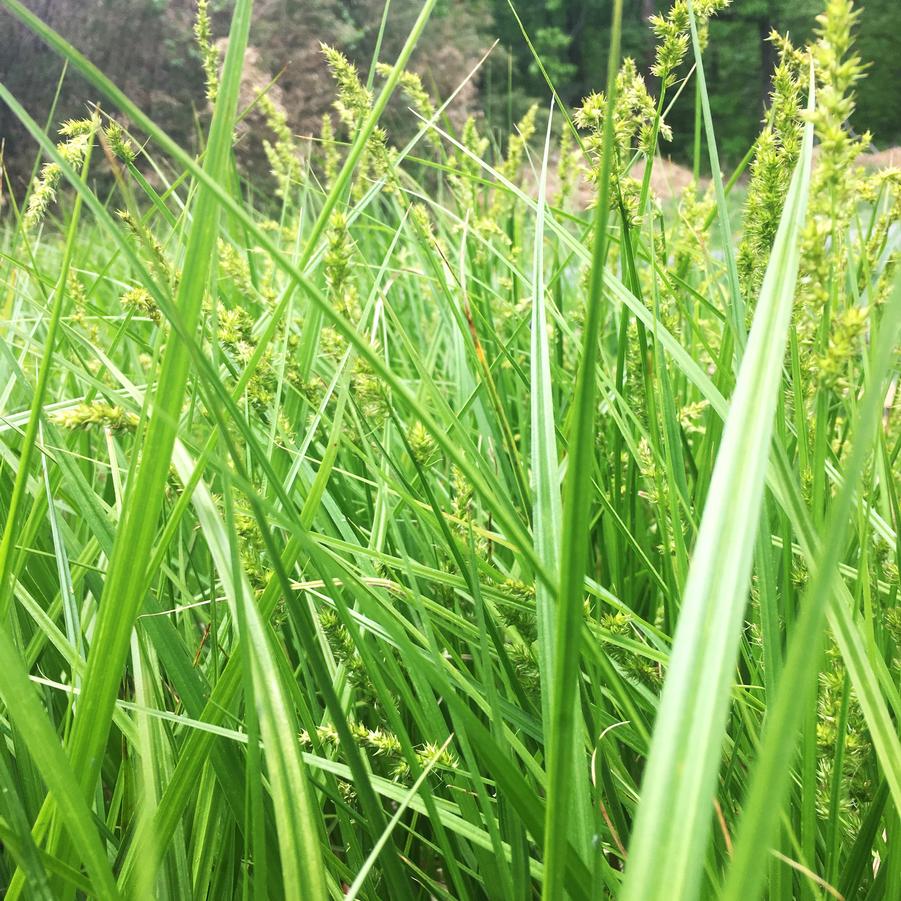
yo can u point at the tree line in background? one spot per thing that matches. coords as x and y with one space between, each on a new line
739 59
148 48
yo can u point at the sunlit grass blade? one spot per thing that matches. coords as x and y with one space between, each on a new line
774 763
547 513
296 815
666 853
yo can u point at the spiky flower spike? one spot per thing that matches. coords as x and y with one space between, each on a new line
330 157
283 154
387 747
838 183
466 166
77 134
353 105
418 97
119 142
775 154
568 165
209 55
519 140
672 33
97 414
634 118
139 301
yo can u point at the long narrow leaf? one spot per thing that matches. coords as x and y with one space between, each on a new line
674 817
564 739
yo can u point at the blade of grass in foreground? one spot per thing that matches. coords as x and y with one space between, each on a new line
296 815
561 731
25 709
545 465
771 775
667 850
547 505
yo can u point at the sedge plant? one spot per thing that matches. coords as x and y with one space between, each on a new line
457 518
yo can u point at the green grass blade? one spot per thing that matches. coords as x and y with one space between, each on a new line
737 307
24 708
773 769
564 739
297 819
547 513
666 852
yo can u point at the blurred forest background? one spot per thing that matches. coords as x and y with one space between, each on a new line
147 47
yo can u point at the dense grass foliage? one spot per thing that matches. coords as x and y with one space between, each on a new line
416 533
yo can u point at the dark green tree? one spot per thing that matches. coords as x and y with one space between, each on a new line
570 37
